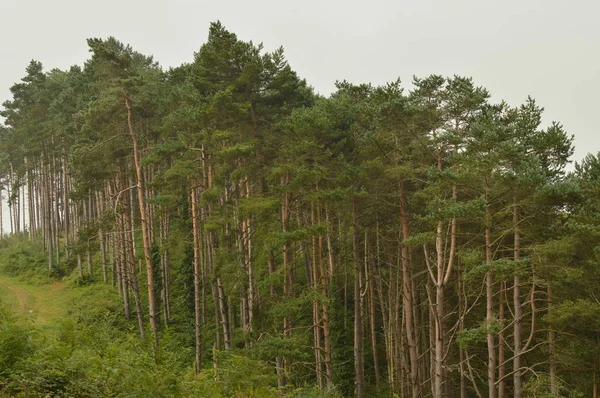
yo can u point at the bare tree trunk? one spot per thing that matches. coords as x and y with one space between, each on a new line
370 275
518 312
56 220
325 316
131 273
444 271
66 207
1 218
224 312
407 303
101 235
287 273
247 240
552 349
462 308
316 308
122 273
358 327
166 269
210 244
144 223
501 366
490 305
197 301
79 265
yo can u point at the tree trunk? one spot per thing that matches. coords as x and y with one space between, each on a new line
489 286
144 223
197 301
552 349
407 303
318 350
501 366
358 328
287 271
518 312
131 272
369 275
325 311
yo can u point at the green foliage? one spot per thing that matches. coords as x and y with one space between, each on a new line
15 341
241 376
24 258
370 177
312 392
538 386
467 337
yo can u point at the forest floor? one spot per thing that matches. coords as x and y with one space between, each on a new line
42 304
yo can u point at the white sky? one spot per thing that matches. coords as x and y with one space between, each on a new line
548 49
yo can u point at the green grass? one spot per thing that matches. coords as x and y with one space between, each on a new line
42 304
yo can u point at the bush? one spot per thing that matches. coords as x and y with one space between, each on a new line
15 341
26 259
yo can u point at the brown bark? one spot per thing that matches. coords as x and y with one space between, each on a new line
287 271
144 222
318 350
407 294
501 365
166 269
197 301
489 289
325 311
518 311
358 327
247 240
224 314
369 275
552 349
131 271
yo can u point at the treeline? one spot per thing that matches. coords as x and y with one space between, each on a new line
375 242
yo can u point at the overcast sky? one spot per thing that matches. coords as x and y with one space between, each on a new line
548 49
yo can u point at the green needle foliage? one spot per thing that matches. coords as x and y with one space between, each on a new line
222 230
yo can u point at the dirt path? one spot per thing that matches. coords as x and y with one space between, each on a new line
40 303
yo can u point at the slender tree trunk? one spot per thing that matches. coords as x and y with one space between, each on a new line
210 244
358 327
325 311
79 265
131 272
318 350
407 294
66 207
462 309
122 273
287 271
490 305
552 349
518 312
197 301
144 224
1 212
595 381
501 366
247 240
224 314
100 202
369 275
166 269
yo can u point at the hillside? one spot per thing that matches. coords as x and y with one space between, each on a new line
41 304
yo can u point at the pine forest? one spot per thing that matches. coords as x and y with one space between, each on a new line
218 229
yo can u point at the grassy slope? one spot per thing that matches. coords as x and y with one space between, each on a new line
43 304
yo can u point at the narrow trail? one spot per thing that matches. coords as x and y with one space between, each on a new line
40 303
